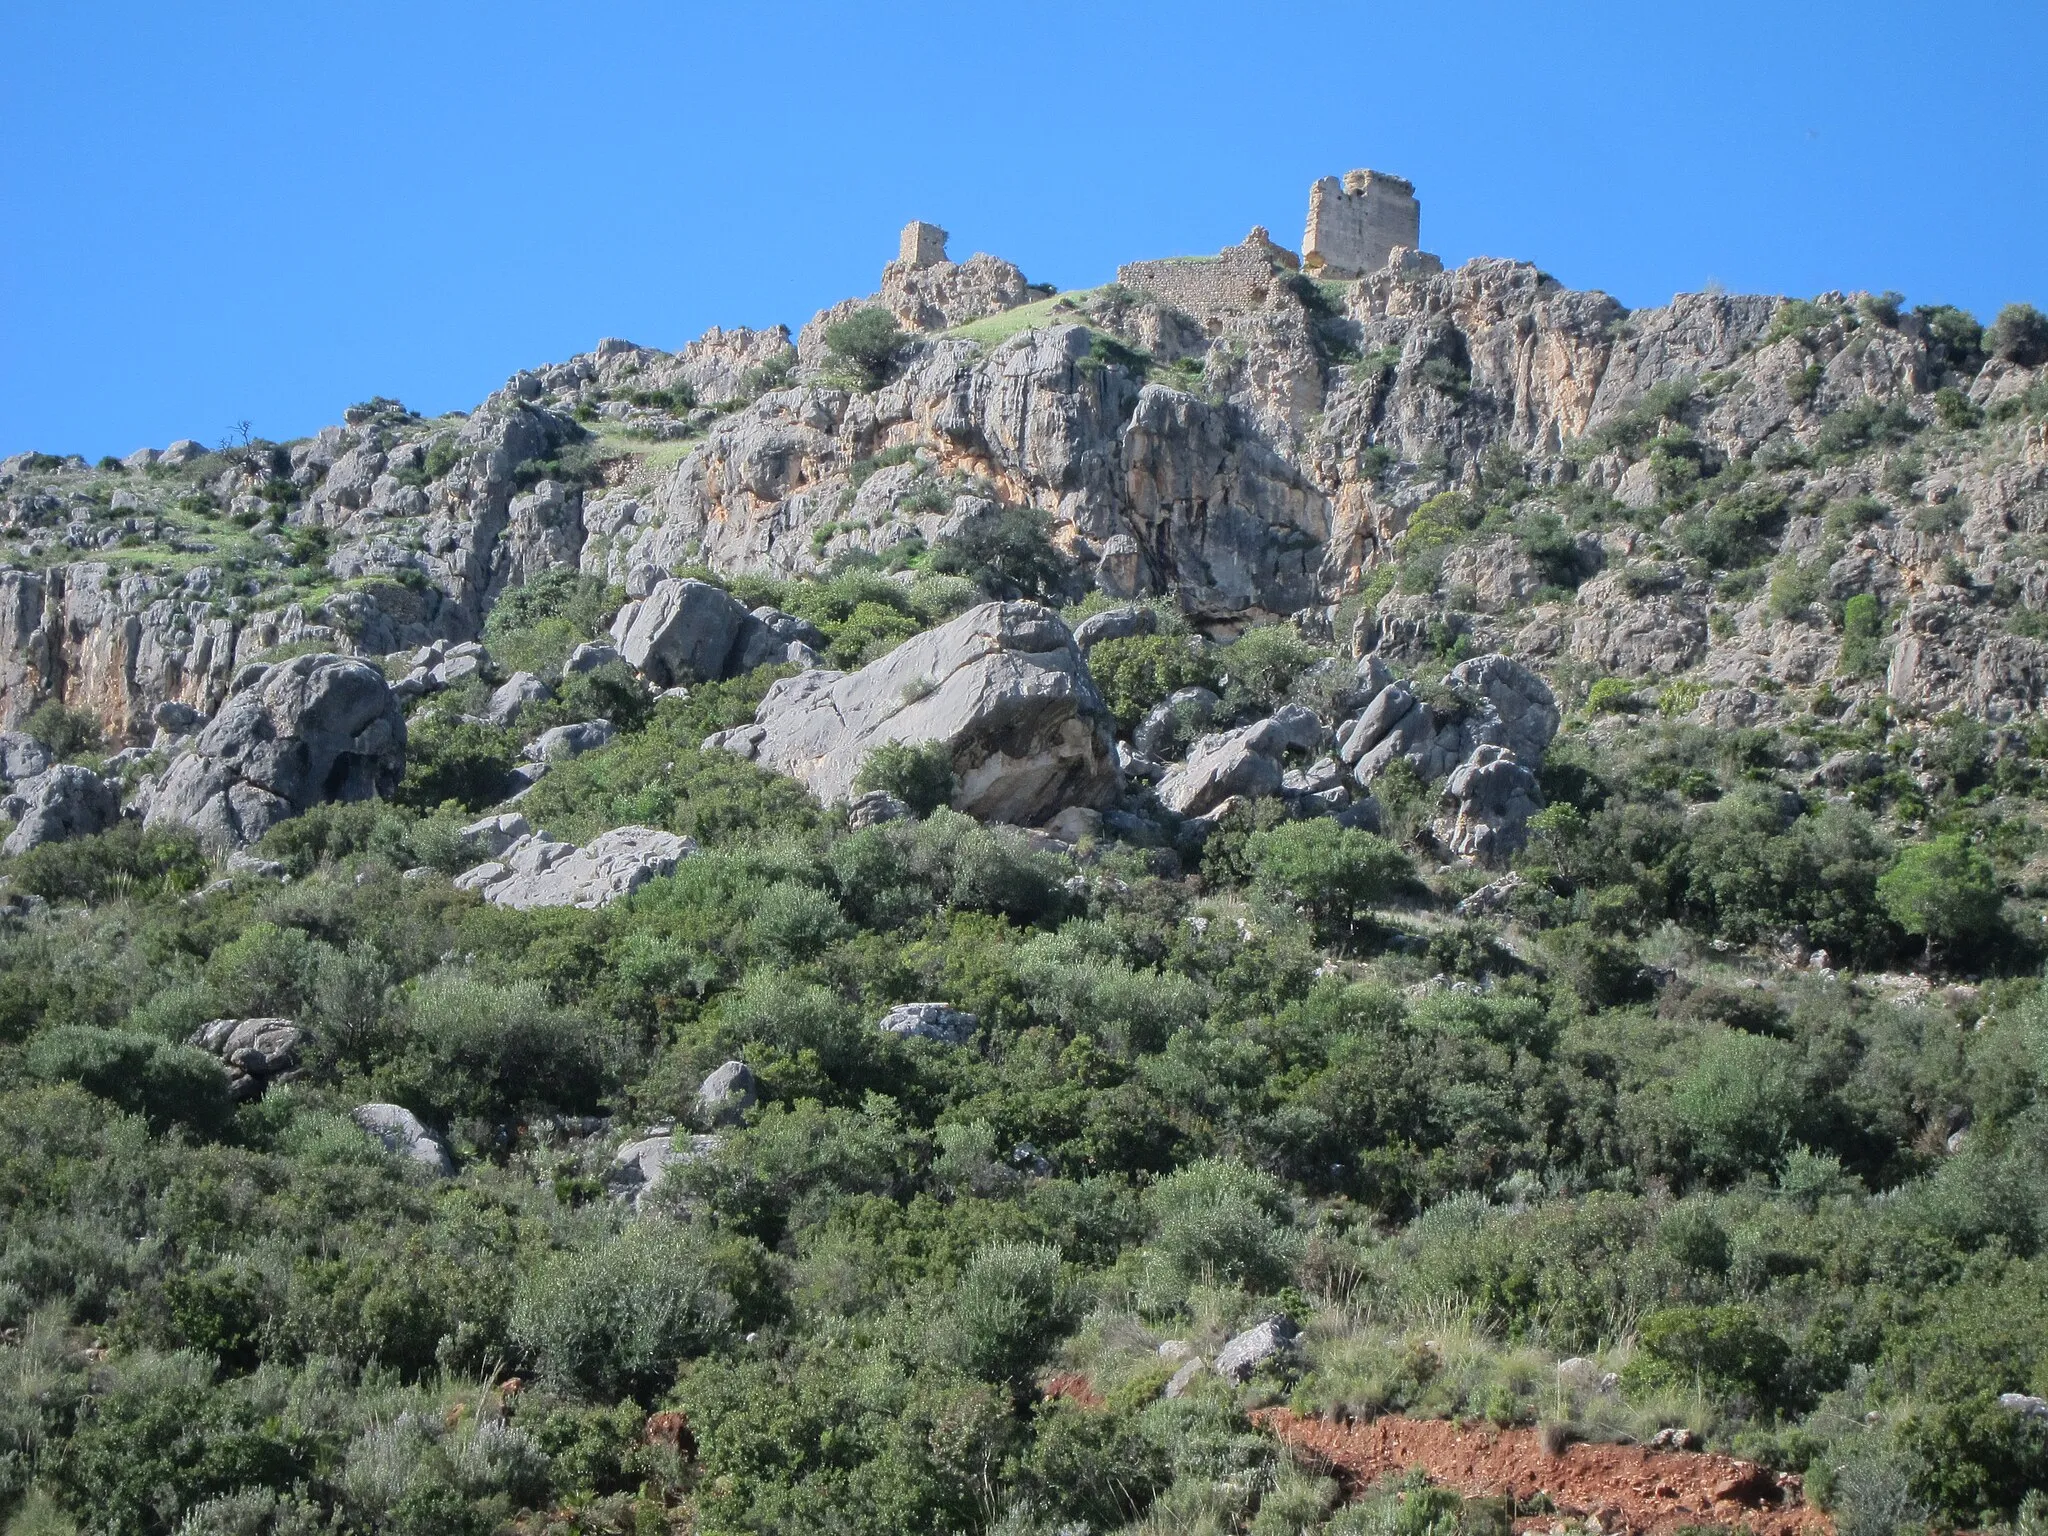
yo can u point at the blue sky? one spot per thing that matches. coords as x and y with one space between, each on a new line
265 211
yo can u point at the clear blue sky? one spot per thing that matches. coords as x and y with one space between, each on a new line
269 210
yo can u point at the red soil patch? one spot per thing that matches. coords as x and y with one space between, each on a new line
1626 1487
1076 1388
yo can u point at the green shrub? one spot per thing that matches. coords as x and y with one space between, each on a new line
1742 1104
1944 891
534 626
1009 554
864 346
1862 636
794 923
1139 671
919 774
2019 335
1010 1307
1726 1349
1955 410
1335 872
1261 666
617 1317
1612 696
466 761
1217 1222
166 1084
124 860
69 733
469 1047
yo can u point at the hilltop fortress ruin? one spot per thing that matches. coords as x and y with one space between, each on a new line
1356 226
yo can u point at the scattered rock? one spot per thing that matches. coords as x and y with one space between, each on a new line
313 728
403 1136
1181 714
1486 805
588 657
1674 1438
58 804
1244 762
726 1095
681 632
534 872
930 1021
637 1167
256 1052
1185 1377
515 696
243 862
494 834
2024 1404
874 808
566 741
1003 686
1115 624
22 756
1243 1355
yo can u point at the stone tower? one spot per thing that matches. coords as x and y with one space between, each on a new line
923 245
1355 223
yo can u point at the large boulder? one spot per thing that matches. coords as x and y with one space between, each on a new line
1003 687
681 632
22 756
1245 762
534 871
929 1021
256 1052
726 1094
288 737
399 1129
1486 805
62 802
1243 1355
1509 705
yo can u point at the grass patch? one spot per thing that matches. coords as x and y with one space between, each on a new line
993 330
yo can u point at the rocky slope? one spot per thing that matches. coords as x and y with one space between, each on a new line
1752 504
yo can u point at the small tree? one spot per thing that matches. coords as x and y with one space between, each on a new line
1944 891
1008 554
2019 335
864 345
1335 872
919 774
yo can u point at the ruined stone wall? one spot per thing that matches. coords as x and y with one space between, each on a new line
1211 288
922 244
1355 223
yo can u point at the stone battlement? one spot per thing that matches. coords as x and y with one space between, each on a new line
1211 287
1355 224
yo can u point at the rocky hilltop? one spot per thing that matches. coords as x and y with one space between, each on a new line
908 927
1692 492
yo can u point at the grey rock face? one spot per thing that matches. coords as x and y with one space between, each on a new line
403 1136
1243 1355
515 695
63 802
310 729
256 1052
2024 1404
1243 762
726 1095
930 1021
494 834
589 657
1184 710
874 808
1003 686
681 632
566 741
773 638
1115 624
1514 708
22 756
534 872
1486 806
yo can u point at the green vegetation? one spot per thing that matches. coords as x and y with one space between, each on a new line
921 776
863 346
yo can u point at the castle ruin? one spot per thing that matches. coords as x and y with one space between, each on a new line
1355 224
1355 227
922 245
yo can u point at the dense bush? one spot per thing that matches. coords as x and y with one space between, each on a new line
864 345
919 774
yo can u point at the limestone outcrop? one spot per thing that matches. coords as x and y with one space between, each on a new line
1003 687
290 736
532 870
59 803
